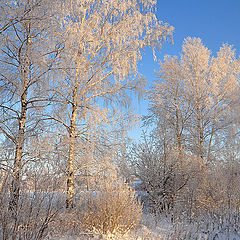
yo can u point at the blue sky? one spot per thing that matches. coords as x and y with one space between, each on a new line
214 21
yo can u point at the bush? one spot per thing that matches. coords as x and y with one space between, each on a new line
36 211
112 210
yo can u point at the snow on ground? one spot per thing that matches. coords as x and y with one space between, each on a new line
164 229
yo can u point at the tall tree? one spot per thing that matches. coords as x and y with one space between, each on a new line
103 43
194 93
27 55
167 106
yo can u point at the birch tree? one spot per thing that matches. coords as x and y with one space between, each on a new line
103 44
167 106
194 93
26 56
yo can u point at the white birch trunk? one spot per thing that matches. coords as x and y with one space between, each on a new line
17 167
72 142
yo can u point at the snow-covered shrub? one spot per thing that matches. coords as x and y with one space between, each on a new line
112 209
166 177
36 213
